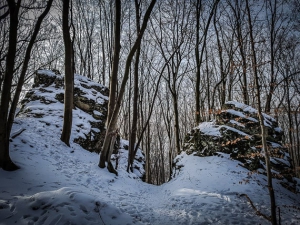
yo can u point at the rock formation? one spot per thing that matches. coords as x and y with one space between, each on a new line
90 105
43 107
236 131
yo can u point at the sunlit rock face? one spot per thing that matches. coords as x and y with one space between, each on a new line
45 101
236 131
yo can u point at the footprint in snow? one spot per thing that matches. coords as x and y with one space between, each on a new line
83 209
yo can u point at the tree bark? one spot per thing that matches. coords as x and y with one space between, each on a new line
131 153
113 83
198 61
116 59
69 76
222 70
5 161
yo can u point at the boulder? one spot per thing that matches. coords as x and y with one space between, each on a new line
236 131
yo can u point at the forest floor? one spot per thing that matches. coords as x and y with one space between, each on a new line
57 184
63 185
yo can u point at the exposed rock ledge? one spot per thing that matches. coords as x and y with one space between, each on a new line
236 131
47 94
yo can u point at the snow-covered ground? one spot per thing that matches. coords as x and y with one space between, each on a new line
63 185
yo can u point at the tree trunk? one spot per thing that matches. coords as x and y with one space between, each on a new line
5 160
198 62
115 67
131 152
176 122
199 57
148 165
69 76
273 32
261 120
25 66
113 83
297 144
222 71
112 126
237 14
290 123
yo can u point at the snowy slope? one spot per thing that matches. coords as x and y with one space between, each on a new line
56 186
63 185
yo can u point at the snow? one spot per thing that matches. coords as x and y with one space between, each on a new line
57 184
90 92
210 128
240 114
237 123
278 129
249 109
97 113
61 185
47 72
244 107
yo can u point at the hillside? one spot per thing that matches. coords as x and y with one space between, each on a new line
63 185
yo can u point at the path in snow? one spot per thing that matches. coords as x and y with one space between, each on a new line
206 192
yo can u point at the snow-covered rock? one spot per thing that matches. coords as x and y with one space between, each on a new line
236 131
45 101
44 105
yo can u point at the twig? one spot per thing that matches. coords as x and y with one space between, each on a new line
256 210
279 218
98 204
17 133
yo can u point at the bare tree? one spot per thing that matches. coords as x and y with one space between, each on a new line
237 7
112 120
261 117
199 54
276 29
173 40
133 131
7 111
25 66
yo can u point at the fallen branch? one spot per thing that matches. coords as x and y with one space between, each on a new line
98 205
256 210
17 133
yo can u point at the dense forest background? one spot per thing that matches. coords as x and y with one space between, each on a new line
193 57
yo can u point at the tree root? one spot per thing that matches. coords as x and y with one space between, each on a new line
8 165
111 169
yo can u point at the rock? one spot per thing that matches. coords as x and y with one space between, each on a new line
236 131
44 103
89 97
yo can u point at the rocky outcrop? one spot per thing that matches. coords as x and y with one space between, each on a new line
90 105
44 105
236 131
